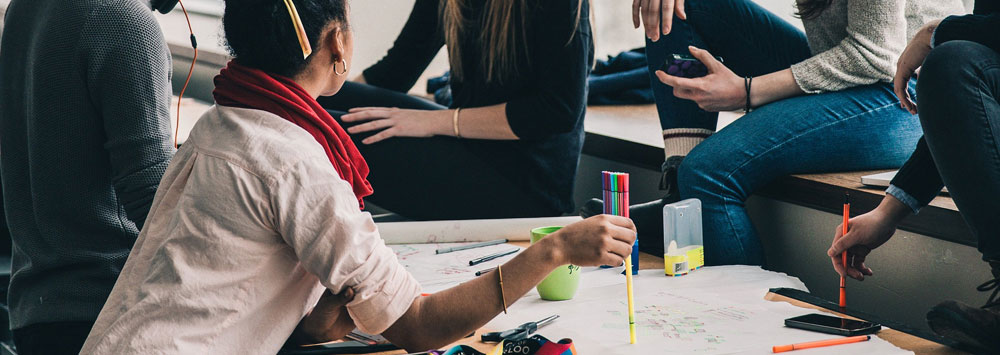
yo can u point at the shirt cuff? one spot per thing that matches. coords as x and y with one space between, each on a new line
390 293
904 197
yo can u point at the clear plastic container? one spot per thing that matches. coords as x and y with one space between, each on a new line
683 246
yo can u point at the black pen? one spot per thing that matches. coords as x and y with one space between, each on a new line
492 256
470 246
485 271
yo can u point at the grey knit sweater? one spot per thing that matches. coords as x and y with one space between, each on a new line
857 42
84 140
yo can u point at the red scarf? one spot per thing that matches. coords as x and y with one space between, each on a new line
242 86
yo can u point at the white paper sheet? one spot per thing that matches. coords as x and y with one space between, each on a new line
714 310
437 272
478 230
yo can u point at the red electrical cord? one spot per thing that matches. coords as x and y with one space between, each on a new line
180 97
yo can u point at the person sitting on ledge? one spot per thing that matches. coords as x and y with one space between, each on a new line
958 97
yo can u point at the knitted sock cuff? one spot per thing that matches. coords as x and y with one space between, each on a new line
680 141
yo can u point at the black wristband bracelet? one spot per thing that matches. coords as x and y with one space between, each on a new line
747 81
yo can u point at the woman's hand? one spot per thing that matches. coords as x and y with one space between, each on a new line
656 15
909 62
865 233
394 122
720 90
598 240
328 321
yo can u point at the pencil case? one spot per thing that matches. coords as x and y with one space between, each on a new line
682 237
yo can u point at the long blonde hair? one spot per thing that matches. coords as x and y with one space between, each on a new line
502 38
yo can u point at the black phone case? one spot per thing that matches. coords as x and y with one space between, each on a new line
874 328
685 66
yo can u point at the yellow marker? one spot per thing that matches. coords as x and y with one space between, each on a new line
631 303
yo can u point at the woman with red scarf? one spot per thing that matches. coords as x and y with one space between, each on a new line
256 234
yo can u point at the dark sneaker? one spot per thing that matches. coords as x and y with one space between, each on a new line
975 327
669 179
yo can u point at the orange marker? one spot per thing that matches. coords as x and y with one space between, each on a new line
819 344
843 256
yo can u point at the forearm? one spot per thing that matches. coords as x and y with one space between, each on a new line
489 122
892 210
773 87
917 182
477 301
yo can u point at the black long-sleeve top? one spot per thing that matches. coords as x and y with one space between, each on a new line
982 26
918 181
545 103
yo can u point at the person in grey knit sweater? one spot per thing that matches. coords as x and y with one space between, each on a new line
85 138
817 101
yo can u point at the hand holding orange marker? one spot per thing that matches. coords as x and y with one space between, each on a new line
818 344
843 256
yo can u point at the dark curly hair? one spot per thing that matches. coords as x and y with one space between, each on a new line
260 34
810 9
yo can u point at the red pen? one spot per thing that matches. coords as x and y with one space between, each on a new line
843 255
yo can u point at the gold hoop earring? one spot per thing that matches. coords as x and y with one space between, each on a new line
345 67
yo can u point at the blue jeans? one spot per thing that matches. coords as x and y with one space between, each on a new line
860 128
750 40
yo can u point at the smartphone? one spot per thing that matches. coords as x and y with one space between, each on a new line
832 325
685 66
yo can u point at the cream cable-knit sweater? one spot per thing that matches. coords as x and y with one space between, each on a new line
857 42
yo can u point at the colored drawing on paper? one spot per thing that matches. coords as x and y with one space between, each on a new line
689 323
668 323
437 272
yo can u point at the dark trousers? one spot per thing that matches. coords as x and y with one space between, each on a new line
431 178
958 92
52 338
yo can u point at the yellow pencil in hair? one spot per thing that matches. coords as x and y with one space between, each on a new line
300 30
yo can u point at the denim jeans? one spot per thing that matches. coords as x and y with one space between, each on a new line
959 89
749 39
859 128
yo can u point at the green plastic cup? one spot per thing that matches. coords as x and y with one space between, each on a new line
561 284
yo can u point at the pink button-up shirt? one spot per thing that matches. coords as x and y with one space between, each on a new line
249 226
